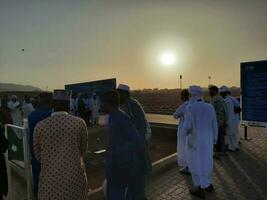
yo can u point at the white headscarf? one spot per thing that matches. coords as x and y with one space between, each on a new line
196 93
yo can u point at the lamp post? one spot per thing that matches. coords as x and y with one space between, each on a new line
181 82
209 79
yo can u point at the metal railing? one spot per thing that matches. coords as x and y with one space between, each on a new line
18 158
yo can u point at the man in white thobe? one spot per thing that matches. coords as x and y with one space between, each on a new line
27 107
73 105
200 125
181 138
232 129
237 115
95 104
16 115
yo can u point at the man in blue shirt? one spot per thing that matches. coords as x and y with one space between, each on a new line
137 116
43 111
125 162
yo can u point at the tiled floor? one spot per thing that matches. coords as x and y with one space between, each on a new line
241 175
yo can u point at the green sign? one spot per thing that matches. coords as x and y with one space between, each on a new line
15 144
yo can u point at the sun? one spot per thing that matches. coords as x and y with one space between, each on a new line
167 58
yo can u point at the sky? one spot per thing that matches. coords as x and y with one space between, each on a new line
70 41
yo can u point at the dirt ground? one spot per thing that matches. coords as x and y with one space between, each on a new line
161 145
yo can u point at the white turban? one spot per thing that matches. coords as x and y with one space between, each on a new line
195 90
124 87
224 89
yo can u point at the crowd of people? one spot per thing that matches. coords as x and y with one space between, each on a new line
58 140
86 107
203 129
14 110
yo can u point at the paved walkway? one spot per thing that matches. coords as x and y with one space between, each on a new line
241 175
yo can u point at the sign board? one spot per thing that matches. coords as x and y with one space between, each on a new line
254 93
18 158
99 87
15 143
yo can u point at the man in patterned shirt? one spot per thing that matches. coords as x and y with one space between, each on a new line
43 111
60 144
219 106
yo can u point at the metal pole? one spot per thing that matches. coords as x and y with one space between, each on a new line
181 78
9 175
246 133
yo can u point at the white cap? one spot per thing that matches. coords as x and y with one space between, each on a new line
124 87
224 89
196 90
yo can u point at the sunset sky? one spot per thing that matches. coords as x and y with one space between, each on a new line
72 41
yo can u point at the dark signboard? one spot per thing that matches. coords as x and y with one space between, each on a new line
99 87
254 91
15 144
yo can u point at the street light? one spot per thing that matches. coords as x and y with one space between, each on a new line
209 79
181 81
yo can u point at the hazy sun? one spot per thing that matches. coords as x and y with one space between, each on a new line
167 58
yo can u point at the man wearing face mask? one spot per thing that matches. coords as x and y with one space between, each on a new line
16 114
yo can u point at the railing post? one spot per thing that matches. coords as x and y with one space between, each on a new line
25 170
246 133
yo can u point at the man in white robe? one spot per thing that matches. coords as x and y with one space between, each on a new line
181 138
73 105
201 127
16 114
237 115
232 129
27 107
95 104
